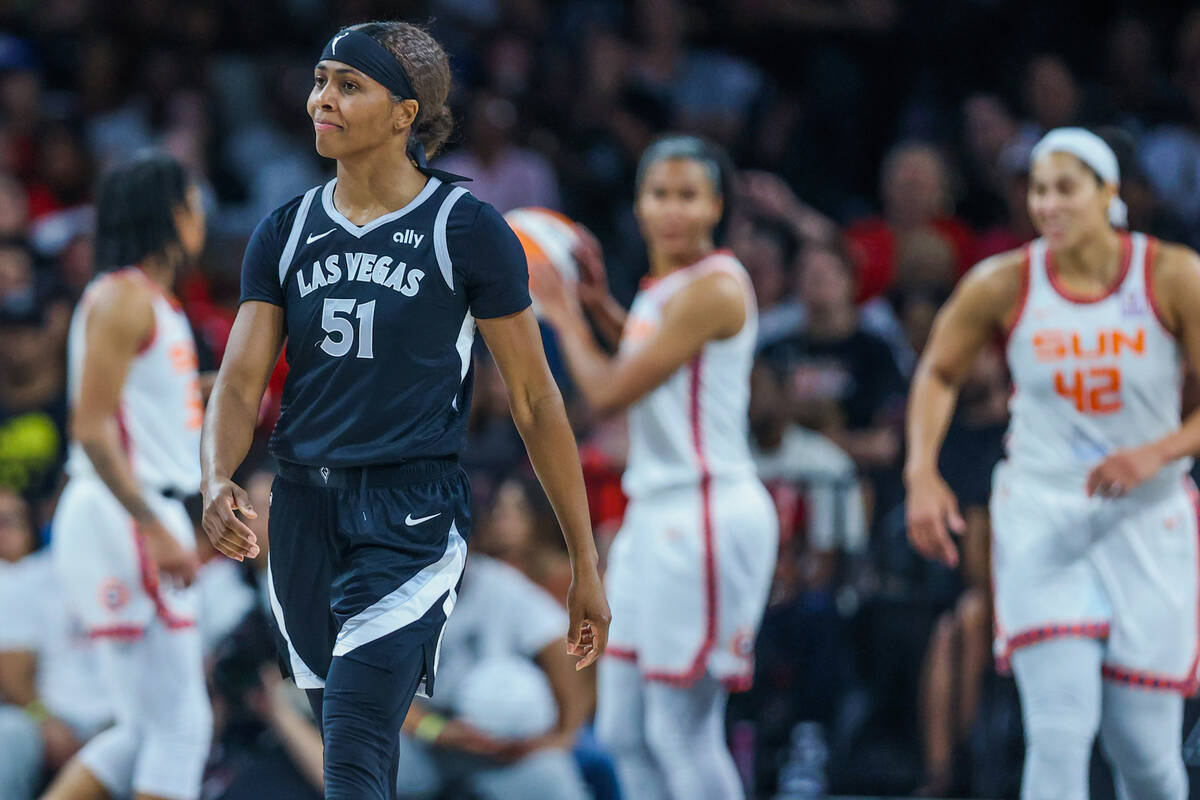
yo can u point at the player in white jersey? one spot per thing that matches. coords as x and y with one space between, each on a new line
690 569
122 542
1094 528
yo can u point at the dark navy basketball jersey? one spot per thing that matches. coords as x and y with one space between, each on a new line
380 320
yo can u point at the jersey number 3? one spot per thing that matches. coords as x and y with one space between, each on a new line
1091 391
340 331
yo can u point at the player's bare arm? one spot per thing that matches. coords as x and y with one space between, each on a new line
541 418
1176 290
574 696
250 356
983 306
119 322
709 308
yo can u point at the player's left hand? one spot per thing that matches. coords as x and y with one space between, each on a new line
1124 470
590 617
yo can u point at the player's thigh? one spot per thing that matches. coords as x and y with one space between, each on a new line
96 557
302 563
1148 561
170 686
20 754
1045 583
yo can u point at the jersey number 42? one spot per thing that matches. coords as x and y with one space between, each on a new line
1092 391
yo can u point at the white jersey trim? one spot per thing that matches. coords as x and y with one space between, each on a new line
358 231
304 676
466 340
410 602
440 249
289 251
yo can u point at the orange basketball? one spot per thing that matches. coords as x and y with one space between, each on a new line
548 238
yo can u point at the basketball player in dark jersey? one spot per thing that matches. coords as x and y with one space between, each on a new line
378 281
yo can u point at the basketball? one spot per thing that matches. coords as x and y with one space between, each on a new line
548 239
507 697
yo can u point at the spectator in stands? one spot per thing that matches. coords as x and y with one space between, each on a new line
507 704
1170 154
50 700
916 194
14 208
842 380
33 407
520 529
959 659
502 172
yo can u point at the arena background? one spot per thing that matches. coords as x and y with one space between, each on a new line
898 132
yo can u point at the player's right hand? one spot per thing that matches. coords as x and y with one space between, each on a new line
167 554
931 511
589 256
228 534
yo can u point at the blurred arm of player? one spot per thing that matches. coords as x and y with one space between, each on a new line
1176 288
229 420
120 320
709 308
607 314
979 310
575 696
541 418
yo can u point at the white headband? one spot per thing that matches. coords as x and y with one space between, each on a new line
1091 150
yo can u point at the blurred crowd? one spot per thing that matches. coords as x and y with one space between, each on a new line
884 149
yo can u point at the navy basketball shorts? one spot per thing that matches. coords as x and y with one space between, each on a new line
365 563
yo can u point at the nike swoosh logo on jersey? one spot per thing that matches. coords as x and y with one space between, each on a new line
313 237
410 521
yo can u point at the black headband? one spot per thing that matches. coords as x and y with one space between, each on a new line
371 58
358 50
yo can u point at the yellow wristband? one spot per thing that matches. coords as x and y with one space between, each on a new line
430 728
37 709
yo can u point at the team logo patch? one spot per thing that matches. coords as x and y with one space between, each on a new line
743 643
1132 304
114 594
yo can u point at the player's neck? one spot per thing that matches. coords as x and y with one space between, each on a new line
375 183
663 264
1096 256
160 270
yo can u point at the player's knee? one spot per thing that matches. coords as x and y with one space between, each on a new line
1151 767
186 735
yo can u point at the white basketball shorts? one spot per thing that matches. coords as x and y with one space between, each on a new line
1123 571
688 578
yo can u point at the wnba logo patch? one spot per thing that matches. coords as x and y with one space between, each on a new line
1132 304
113 594
743 643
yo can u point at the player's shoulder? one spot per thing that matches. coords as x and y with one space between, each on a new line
1002 277
1173 261
466 211
121 289
280 219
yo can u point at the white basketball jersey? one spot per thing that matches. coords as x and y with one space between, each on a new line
694 425
161 410
1091 376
